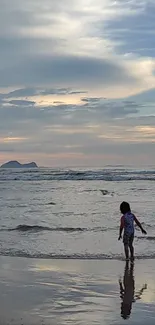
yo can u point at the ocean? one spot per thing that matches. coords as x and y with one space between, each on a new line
74 213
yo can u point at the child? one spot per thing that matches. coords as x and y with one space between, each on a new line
127 223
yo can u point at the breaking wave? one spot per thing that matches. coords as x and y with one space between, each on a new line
37 228
150 238
24 254
48 174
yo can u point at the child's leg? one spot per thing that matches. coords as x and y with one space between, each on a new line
126 245
126 250
131 247
131 251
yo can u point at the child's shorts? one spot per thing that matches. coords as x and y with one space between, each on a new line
128 239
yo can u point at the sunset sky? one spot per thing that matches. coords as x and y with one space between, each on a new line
77 82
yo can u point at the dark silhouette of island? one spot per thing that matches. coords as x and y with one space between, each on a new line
16 164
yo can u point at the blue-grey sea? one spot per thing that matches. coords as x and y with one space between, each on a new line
74 213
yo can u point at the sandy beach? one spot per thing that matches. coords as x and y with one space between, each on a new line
76 292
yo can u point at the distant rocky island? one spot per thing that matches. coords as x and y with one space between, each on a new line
16 164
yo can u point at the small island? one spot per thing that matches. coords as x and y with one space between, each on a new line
16 164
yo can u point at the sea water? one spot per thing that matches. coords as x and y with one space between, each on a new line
74 213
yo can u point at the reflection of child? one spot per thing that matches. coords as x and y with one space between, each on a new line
127 291
127 223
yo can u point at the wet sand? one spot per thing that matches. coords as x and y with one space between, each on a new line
79 292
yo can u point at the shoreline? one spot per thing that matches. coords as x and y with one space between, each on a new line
99 257
40 291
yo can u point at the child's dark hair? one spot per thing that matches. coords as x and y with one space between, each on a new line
125 207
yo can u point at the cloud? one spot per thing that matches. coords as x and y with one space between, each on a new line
30 92
21 102
95 109
23 118
4 149
70 70
91 100
134 33
111 108
33 57
61 91
145 96
51 137
62 121
65 66
23 92
11 139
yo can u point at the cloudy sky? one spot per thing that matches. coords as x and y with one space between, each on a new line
77 82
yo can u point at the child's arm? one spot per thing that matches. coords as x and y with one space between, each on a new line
121 228
139 225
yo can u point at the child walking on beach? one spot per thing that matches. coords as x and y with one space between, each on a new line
127 223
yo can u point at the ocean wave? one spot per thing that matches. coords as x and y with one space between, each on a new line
70 174
39 228
51 203
37 255
36 228
107 193
146 225
150 238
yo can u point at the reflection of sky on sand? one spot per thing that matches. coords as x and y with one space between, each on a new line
145 272
75 292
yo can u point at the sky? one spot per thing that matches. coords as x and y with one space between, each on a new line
77 82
